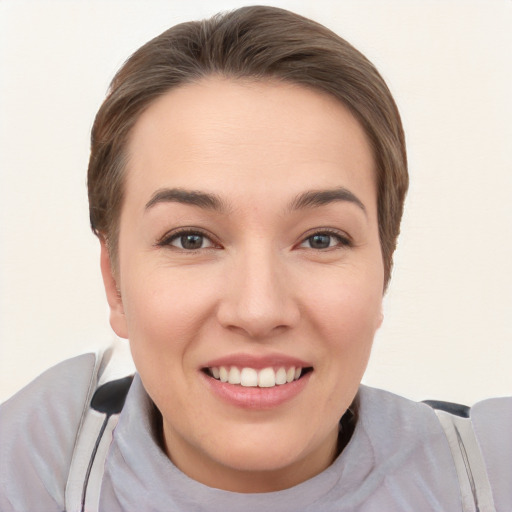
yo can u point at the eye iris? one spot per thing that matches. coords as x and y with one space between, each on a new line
320 241
191 241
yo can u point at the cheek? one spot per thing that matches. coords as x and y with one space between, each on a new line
346 319
348 311
164 308
165 319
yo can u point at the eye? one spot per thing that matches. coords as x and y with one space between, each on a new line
325 240
187 240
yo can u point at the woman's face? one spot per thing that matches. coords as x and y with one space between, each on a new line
248 250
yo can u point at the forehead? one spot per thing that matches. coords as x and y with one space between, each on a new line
220 133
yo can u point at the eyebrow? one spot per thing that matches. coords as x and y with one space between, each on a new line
192 197
315 198
308 199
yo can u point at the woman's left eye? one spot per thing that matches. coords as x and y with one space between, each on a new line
325 240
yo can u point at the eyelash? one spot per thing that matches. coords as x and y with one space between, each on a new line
342 239
168 238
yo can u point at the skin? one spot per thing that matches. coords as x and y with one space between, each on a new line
257 284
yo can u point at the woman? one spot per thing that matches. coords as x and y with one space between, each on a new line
246 183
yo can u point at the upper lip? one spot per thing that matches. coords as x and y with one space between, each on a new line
257 362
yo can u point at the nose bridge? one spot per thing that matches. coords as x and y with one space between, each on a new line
260 298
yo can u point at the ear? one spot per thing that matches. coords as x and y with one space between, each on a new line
380 319
115 302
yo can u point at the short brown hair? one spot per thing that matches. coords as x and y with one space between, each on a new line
258 43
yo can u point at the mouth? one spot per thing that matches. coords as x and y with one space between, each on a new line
249 377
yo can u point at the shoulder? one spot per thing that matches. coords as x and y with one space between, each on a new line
394 411
38 428
408 460
492 422
404 434
399 427
494 414
399 424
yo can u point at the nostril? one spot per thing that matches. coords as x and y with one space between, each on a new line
258 307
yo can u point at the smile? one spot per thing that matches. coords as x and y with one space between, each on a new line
256 382
250 377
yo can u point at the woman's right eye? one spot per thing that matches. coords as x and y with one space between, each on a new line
187 241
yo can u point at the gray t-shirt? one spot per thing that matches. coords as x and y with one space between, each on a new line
397 460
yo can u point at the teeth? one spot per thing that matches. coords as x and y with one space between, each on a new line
249 377
267 378
281 376
234 375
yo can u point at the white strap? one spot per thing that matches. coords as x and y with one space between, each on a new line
84 444
476 492
94 435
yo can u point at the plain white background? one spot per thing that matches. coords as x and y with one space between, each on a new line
447 332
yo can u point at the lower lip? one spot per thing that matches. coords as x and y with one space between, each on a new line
255 397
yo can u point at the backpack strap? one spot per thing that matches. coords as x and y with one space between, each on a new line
475 488
104 402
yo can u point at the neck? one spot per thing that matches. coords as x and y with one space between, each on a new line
226 478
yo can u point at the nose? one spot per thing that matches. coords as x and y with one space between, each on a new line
258 300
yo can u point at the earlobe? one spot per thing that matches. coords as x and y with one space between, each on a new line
115 301
380 319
